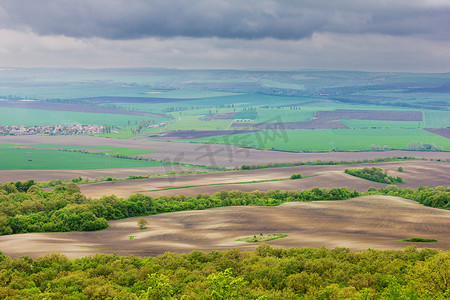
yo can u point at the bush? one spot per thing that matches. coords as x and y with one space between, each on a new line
296 176
420 240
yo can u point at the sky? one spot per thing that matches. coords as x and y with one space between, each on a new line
368 35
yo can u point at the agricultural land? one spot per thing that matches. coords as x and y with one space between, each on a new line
265 182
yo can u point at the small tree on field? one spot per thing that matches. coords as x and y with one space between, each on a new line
400 169
141 223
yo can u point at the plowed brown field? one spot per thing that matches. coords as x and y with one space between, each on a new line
378 222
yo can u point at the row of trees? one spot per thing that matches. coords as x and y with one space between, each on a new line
67 209
265 273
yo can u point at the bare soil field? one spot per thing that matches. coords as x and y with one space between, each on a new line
445 132
207 154
416 173
378 222
340 114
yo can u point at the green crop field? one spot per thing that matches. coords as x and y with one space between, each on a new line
194 123
30 117
274 115
436 119
310 140
43 159
106 149
365 124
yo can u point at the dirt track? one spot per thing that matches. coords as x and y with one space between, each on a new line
366 222
416 173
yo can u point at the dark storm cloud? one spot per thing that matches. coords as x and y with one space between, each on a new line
241 19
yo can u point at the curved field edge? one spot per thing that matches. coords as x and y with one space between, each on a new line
265 273
26 208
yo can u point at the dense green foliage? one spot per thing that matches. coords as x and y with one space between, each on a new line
438 197
420 240
296 176
374 174
266 273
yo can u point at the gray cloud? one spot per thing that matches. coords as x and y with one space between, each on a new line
233 19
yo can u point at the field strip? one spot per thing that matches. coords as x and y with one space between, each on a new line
225 183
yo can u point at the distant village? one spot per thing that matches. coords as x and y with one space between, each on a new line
52 130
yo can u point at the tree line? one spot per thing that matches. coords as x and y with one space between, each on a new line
374 174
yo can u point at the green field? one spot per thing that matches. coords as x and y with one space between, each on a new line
43 159
377 124
310 140
274 115
30 117
436 119
107 149
194 123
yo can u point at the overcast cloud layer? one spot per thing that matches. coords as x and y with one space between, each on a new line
397 35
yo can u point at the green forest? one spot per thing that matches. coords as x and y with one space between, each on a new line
265 273
24 207
374 174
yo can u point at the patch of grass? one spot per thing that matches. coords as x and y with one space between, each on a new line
262 238
131 237
420 240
